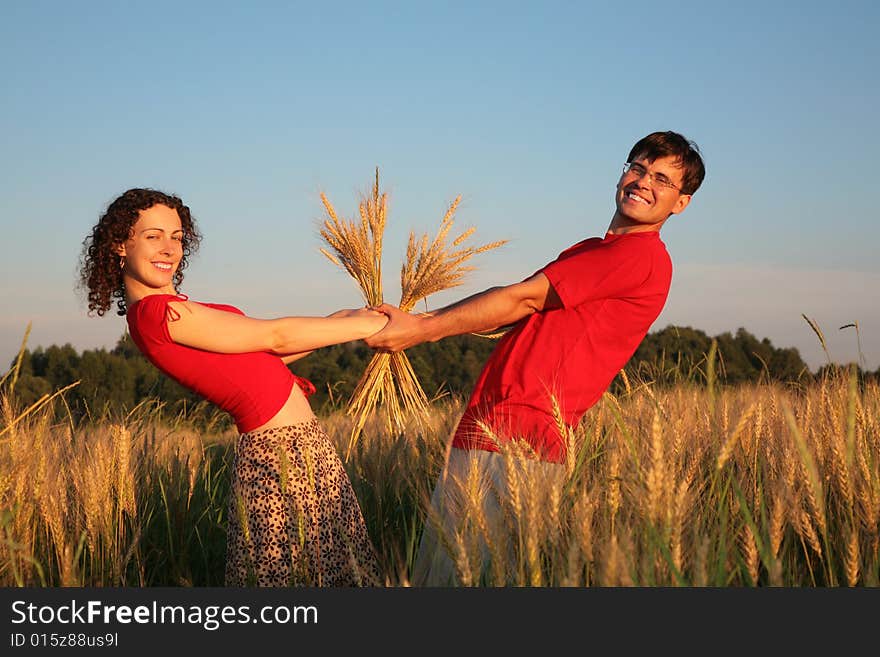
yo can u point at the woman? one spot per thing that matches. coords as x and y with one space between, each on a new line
293 516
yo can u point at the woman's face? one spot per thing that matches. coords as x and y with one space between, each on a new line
152 252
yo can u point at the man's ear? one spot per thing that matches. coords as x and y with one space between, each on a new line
681 203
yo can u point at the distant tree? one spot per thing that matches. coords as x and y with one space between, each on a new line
114 381
678 353
787 365
106 384
126 348
669 356
59 365
333 370
451 365
30 388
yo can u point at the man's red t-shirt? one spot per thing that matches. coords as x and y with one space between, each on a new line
612 289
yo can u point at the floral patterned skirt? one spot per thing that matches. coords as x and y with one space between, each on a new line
294 519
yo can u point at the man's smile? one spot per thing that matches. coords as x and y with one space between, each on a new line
631 195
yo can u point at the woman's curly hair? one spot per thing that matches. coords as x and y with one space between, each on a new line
100 272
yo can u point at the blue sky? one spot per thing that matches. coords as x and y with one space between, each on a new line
249 110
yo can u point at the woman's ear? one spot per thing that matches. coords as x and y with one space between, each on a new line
120 250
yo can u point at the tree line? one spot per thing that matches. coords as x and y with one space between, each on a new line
113 381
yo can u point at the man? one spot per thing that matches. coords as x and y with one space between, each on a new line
576 322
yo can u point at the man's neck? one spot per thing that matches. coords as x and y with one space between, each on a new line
621 225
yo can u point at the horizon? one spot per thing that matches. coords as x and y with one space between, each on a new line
827 358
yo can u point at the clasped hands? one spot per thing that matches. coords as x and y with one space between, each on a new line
401 331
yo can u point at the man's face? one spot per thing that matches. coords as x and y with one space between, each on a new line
650 191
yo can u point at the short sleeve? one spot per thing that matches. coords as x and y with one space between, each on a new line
149 318
599 271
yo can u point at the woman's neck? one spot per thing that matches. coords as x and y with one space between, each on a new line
135 291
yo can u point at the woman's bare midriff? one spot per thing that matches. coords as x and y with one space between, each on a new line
295 410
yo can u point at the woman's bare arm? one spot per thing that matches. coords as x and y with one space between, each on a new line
211 329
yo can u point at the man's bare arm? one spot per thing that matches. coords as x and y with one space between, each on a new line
487 310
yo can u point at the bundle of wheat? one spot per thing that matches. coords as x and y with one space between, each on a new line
389 382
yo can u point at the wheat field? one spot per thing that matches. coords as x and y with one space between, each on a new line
691 485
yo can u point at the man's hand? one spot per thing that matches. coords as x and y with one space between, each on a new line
401 332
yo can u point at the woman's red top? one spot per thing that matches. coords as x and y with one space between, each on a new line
252 387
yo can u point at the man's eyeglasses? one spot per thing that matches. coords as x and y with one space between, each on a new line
658 180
